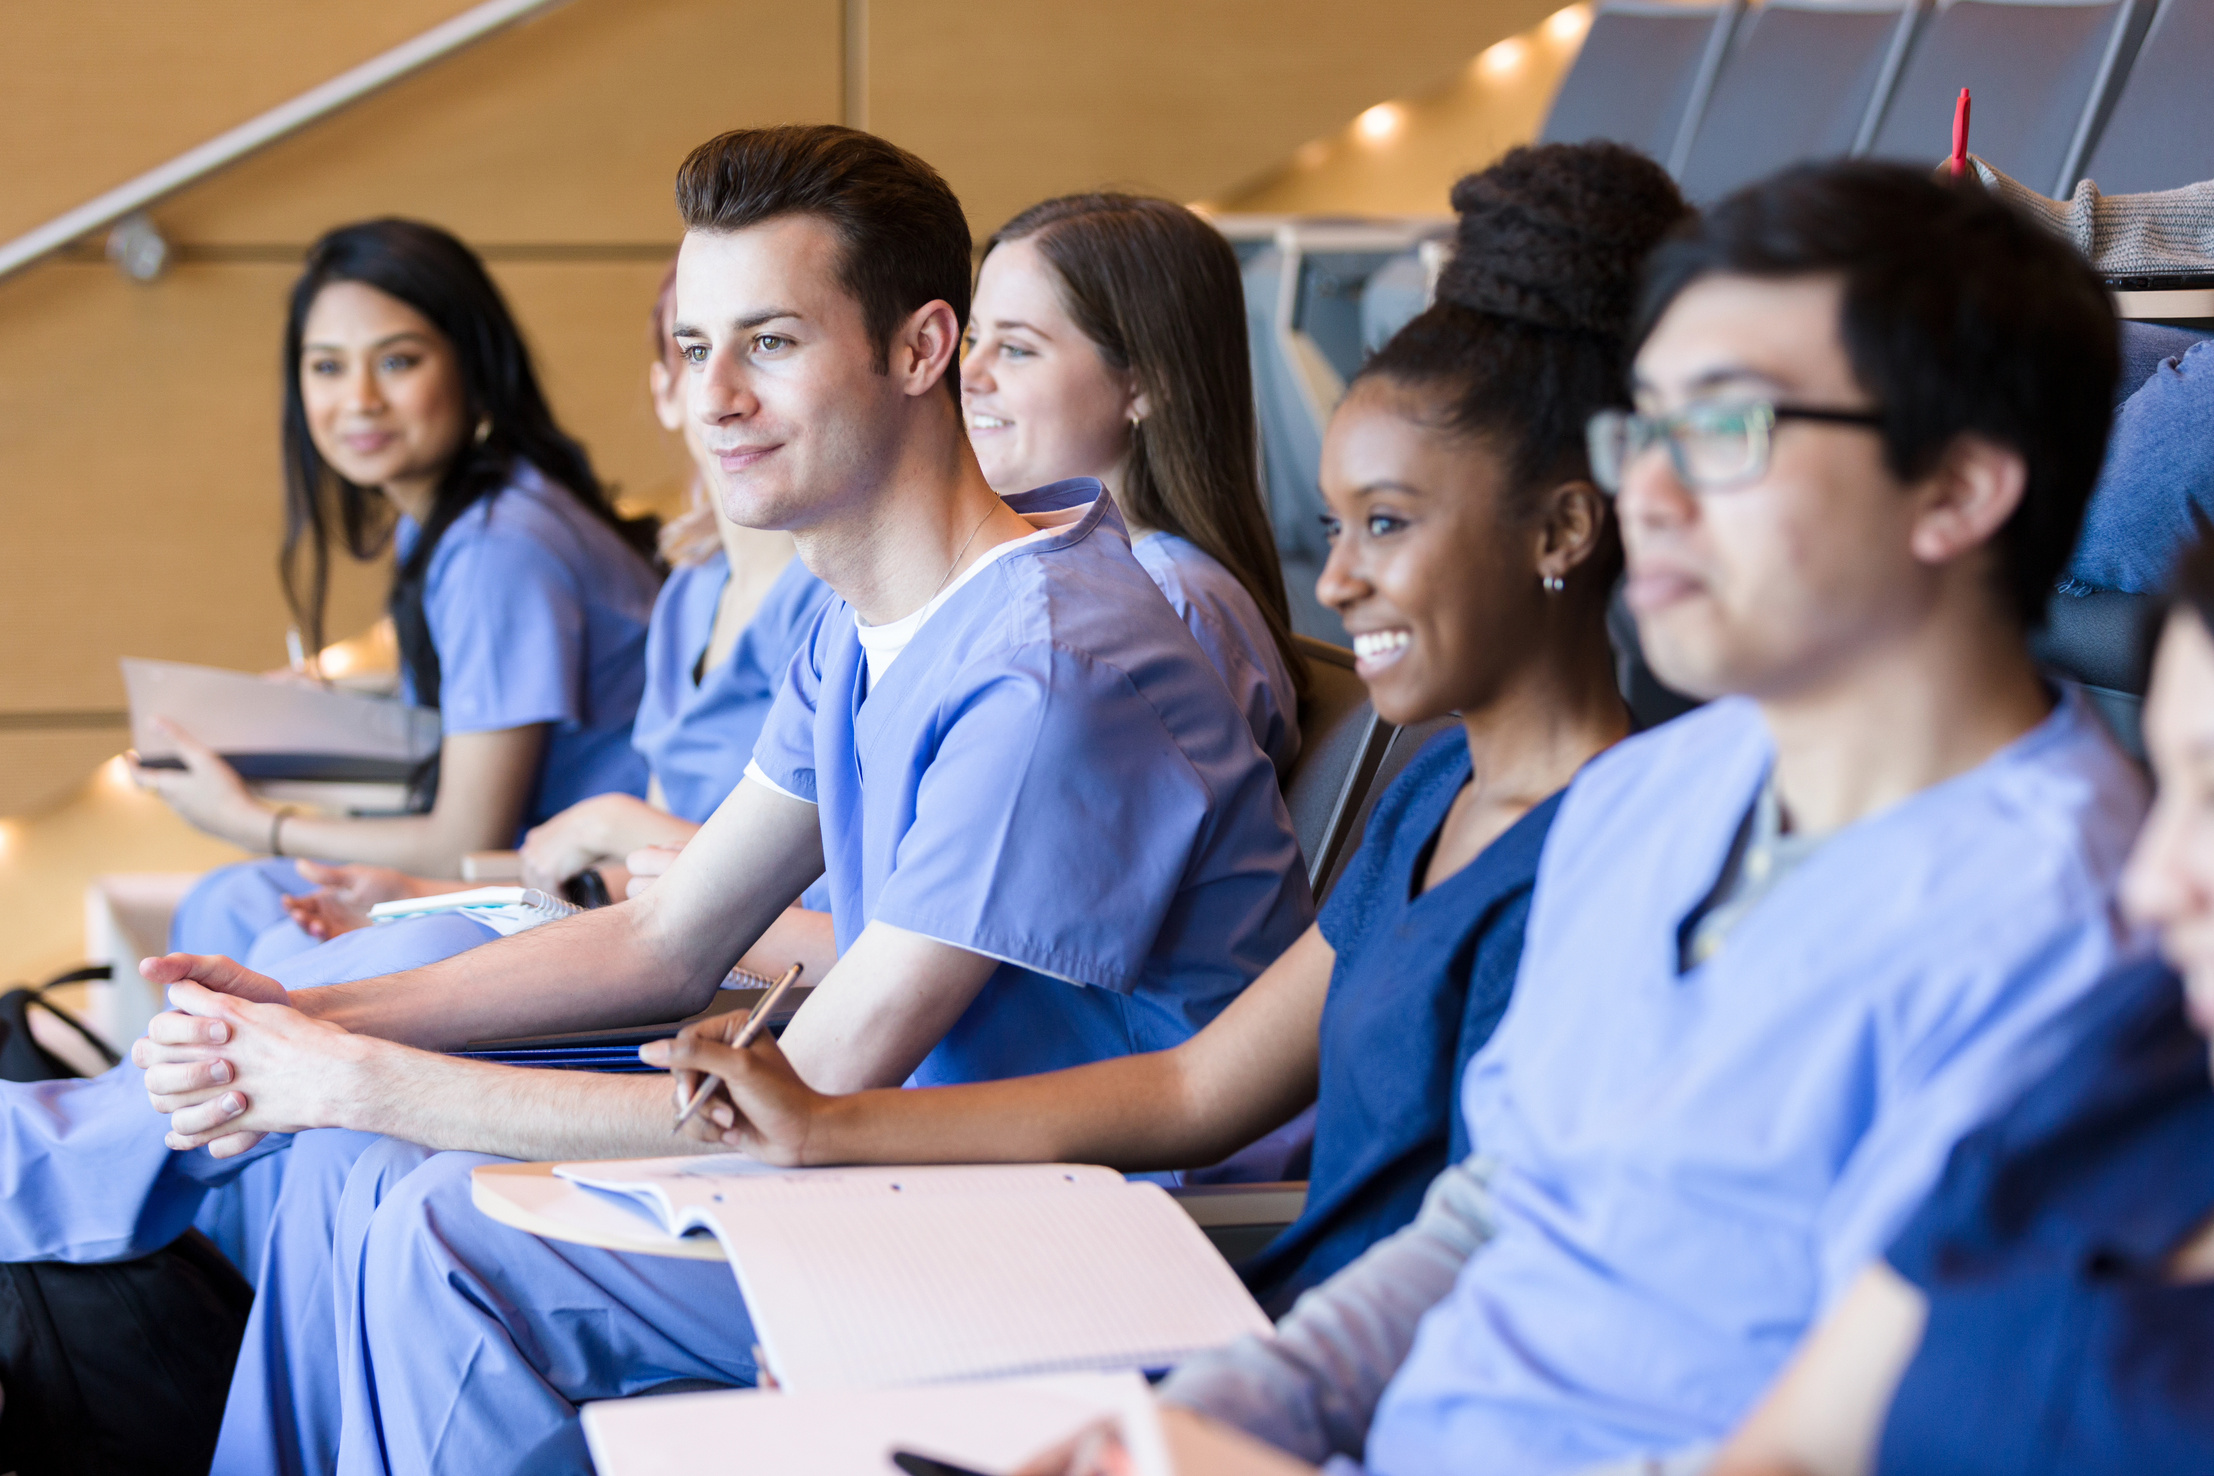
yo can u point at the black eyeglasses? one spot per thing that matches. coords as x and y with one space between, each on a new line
1712 446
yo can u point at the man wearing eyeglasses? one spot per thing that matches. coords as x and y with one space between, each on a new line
1786 950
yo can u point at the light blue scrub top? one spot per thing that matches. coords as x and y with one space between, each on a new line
1226 622
538 610
1692 1166
697 736
1054 776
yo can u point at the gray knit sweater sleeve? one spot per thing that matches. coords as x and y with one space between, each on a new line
2159 233
1312 1389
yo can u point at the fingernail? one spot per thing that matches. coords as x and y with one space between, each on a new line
232 1106
216 1031
220 1072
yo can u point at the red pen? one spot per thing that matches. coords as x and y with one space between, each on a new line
1960 135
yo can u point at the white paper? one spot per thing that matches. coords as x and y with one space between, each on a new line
238 713
991 1426
878 1277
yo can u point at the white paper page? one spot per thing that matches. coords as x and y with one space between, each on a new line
236 712
684 1188
990 1427
898 1287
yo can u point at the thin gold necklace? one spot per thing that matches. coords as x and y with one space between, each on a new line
964 548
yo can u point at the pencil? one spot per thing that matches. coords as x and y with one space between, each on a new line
757 1020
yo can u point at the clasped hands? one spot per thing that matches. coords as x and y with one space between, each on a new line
232 1060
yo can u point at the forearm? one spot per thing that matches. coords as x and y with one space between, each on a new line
476 1107
796 937
610 967
423 845
1134 1113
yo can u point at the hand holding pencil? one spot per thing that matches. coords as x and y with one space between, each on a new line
762 1107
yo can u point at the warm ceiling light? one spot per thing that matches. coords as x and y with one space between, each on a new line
1379 122
116 774
1506 56
1568 25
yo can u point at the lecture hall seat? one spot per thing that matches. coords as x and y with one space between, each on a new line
2160 134
2040 72
1802 80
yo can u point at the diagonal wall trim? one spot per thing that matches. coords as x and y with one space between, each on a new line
286 118
63 719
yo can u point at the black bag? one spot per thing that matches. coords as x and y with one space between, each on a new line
120 1368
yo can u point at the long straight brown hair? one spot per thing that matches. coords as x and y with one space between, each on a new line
1156 290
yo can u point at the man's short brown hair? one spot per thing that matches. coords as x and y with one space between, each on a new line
905 241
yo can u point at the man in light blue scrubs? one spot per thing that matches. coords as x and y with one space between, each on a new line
1048 834
1786 950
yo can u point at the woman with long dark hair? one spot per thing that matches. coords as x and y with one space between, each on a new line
1107 339
413 419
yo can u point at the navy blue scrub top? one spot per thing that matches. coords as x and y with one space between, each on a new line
1419 984
2054 1342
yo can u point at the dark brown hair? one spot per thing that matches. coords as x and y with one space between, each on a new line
1156 290
1529 336
1961 316
906 242
434 273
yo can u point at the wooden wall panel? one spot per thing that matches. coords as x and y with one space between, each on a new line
93 92
1016 101
568 129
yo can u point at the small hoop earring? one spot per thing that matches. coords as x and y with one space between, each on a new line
1554 584
484 430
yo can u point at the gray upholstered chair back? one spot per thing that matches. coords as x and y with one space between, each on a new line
1642 75
1802 79
2160 134
1341 744
2040 72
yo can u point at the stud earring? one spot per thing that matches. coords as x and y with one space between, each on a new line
1554 584
484 430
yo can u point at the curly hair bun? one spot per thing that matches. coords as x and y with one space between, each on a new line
1554 235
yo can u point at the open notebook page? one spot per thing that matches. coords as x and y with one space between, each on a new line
874 1277
679 1191
986 1426
901 1288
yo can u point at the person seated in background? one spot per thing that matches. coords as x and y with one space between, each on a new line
1472 558
413 416
1785 950
2156 493
410 403
2047 1309
1049 837
735 609
2156 490
1107 340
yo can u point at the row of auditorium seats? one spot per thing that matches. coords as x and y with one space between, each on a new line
1727 92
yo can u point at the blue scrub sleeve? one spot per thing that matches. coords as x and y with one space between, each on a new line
1053 826
785 751
509 624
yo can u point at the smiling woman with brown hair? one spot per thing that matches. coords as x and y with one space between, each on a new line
1108 340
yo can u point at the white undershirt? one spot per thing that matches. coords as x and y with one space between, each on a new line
882 644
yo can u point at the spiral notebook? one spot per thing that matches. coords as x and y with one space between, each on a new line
861 1278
